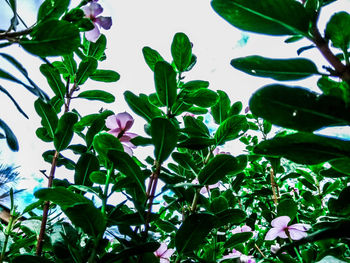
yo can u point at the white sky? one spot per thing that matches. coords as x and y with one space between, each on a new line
139 23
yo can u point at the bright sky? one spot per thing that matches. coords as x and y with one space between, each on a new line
139 23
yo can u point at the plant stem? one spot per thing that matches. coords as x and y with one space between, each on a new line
15 34
8 229
273 185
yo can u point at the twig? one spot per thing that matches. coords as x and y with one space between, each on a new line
273 185
15 34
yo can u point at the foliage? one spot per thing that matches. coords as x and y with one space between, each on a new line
205 204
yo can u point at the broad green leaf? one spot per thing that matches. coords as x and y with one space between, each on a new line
104 142
271 17
48 157
339 38
278 69
220 110
304 148
217 168
70 64
126 165
105 75
88 120
341 205
334 88
49 118
30 259
98 177
202 97
193 232
164 137
54 79
99 95
96 50
341 165
197 143
165 83
298 108
85 70
10 136
195 127
64 132
43 135
86 164
181 51
141 106
97 126
151 57
236 108
230 128
218 204
52 38
52 9
287 207
195 85
14 101
185 160
230 216
237 239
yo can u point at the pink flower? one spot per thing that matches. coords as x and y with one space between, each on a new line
282 230
241 258
217 151
163 253
205 189
239 229
92 10
119 125
275 248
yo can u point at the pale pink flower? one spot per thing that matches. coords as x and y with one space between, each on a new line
92 10
241 258
241 229
205 189
119 125
282 230
275 248
163 253
217 151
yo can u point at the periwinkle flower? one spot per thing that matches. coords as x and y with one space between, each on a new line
282 230
92 10
241 258
164 253
119 125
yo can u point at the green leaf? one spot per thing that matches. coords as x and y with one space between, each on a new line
341 165
230 128
195 127
14 101
202 97
197 143
298 108
141 106
287 207
98 177
64 132
340 206
151 57
164 137
181 51
105 75
54 79
43 135
126 165
52 9
230 216
99 95
193 232
278 69
195 85
220 110
52 38
104 142
165 83
10 136
217 168
30 259
85 70
271 17
96 50
339 38
237 239
304 148
86 164
70 64
49 118
89 119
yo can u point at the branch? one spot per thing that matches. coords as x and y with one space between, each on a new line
10 35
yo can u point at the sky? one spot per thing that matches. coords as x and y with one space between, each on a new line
139 23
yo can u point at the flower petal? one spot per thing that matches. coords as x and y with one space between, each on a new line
280 222
124 120
273 233
296 234
92 10
115 132
111 122
161 250
128 150
300 227
93 34
104 21
167 254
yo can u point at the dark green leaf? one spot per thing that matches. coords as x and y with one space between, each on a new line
64 132
193 232
271 17
141 106
98 177
298 108
197 143
340 206
52 38
202 97
104 142
304 148
237 239
217 169
220 110
42 134
236 108
70 64
89 119
52 9
54 79
126 165
85 70
10 136
287 207
97 126
278 69
14 101
341 165
195 127
105 75
151 57
86 164
48 157
195 85
181 51
230 128
339 38
30 259
96 50
164 137
165 83
230 216
49 118
99 95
